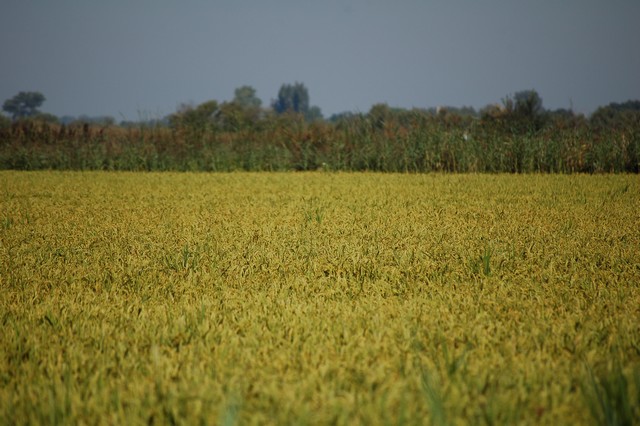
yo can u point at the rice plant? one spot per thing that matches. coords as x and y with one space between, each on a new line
319 297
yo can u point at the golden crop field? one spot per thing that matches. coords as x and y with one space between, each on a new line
319 298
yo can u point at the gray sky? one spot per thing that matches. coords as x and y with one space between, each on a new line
135 59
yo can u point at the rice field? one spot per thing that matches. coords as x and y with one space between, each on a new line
319 298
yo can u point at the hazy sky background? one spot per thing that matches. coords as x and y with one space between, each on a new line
142 58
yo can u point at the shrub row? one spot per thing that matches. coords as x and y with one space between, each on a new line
418 143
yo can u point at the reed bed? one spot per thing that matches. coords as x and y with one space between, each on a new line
409 142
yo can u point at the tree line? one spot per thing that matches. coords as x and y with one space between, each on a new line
517 135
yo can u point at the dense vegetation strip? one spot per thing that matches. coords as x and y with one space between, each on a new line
516 137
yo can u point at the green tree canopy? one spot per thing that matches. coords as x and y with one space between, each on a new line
616 114
292 98
200 117
24 104
245 96
232 116
528 103
379 114
314 114
524 111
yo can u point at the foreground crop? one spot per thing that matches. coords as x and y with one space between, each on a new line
318 298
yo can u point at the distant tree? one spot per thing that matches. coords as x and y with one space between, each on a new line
492 112
24 104
199 117
524 111
342 116
232 116
528 103
292 98
562 113
242 112
626 106
563 118
245 96
616 114
379 114
314 114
